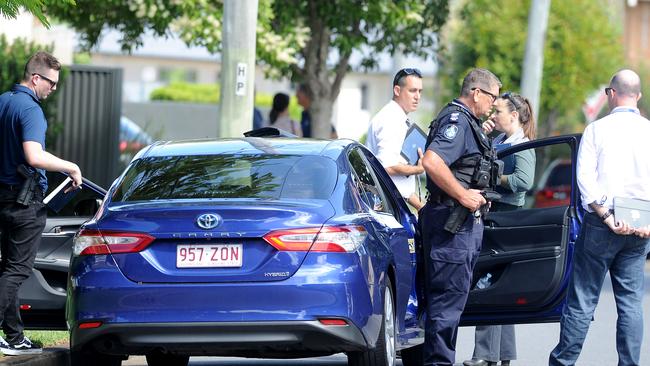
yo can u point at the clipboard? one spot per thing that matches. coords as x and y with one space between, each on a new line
415 138
634 211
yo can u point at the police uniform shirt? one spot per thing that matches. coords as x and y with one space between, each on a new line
454 137
21 119
613 158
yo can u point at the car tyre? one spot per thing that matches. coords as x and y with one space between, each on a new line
167 359
384 353
412 356
87 357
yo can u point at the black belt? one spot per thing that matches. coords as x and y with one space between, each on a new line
442 199
10 187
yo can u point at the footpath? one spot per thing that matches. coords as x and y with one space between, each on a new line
49 357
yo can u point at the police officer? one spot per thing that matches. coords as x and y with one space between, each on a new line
456 153
22 144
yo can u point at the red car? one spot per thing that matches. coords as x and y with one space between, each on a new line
554 187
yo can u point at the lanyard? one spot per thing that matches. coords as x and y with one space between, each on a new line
625 109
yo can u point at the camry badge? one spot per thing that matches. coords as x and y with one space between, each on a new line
208 221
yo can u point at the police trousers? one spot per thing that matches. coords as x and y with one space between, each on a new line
22 227
449 263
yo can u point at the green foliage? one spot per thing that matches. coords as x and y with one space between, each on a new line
81 58
284 30
48 338
310 41
186 92
11 8
644 74
582 51
13 58
209 94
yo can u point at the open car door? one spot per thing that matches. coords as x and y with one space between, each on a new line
525 262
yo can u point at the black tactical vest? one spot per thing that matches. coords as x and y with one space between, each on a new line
469 170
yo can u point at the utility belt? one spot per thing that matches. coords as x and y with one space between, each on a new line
29 191
10 187
441 198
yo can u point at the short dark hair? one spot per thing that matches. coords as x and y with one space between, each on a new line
40 62
479 79
401 75
303 88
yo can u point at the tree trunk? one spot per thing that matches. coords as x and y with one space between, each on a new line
321 117
323 82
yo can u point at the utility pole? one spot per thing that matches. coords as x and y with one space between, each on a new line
237 67
531 81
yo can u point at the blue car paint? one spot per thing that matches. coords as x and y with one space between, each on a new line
349 285
340 285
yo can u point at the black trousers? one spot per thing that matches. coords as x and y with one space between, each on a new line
449 261
22 227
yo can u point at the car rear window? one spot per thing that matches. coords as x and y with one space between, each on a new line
261 176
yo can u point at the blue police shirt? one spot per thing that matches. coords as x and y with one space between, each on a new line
454 137
21 119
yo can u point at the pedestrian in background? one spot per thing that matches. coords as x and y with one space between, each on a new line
387 131
22 142
612 162
305 98
279 115
513 116
455 152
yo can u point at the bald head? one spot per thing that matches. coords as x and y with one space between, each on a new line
626 83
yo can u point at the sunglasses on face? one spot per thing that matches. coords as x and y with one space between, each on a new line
406 72
52 82
494 97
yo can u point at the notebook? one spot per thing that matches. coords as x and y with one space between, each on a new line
634 211
415 138
59 197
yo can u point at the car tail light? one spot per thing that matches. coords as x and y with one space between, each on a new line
90 325
332 321
325 239
93 242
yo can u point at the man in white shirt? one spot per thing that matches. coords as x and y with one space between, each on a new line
388 129
612 162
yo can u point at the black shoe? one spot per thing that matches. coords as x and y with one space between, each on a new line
24 347
505 362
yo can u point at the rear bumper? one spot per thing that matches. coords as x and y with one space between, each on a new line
274 316
245 339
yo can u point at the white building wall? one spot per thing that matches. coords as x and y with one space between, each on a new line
28 27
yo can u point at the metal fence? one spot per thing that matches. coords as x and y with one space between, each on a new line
89 108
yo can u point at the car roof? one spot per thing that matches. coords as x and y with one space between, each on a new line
247 145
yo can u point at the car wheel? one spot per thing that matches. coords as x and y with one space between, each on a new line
89 357
166 359
412 356
384 353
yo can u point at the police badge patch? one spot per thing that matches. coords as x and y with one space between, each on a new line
450 132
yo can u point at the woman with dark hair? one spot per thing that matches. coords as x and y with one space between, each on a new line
279 115
513 116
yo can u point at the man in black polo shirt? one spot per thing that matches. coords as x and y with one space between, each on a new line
22 142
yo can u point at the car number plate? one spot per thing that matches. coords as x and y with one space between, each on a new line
209 255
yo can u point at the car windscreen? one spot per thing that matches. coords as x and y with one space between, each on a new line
263 176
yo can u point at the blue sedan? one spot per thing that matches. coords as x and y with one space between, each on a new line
284 248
